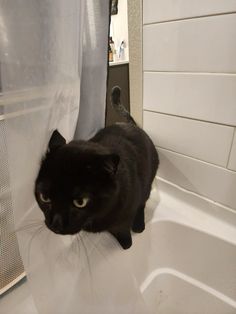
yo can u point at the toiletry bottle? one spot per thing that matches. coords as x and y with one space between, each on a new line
122 50
110 53
112 44
110 50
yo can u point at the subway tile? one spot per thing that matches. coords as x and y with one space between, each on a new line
232 159
164 10
198 45
213 182
201 140
209 97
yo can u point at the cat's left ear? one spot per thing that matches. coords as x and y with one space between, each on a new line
110 163
56 141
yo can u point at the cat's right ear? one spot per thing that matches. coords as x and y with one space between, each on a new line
56 141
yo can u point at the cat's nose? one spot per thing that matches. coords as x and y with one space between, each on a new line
57 223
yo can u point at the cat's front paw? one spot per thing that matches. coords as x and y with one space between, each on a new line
138 228
124 238
126 243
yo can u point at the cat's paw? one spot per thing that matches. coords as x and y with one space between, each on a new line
139 223
138 228
124 238
125 243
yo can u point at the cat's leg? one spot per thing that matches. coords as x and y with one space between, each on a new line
124 238
139 222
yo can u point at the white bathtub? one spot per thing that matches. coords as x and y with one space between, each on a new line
185 261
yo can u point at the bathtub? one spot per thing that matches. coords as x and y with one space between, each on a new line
184 262
187 255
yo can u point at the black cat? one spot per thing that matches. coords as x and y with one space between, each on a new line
101 184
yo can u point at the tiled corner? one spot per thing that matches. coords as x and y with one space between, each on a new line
232 158
201 140
215 183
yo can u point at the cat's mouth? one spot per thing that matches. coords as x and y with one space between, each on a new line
87 226
58 228
62 231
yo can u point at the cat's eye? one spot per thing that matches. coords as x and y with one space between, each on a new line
80 202
44 198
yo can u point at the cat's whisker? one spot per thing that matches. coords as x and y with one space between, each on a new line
72 251
73 245
63 259
36 233
28 226
89 265
96 248
78 244
85 251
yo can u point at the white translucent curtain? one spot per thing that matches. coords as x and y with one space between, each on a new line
94 68
53 75
40 76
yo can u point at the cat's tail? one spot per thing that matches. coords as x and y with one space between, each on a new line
118 106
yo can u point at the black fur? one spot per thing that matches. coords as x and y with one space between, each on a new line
118 106
114 170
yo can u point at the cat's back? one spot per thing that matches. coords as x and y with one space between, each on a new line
120 134
132 142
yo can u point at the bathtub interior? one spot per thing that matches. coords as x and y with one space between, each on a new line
184 262
187 255
171 294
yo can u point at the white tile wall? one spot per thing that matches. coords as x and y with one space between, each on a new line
203 45
205 179
206 141
210 97
189 96
164 10
232 159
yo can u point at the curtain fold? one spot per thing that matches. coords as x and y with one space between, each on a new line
53 75
94 69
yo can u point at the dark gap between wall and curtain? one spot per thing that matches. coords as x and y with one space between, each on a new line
117 74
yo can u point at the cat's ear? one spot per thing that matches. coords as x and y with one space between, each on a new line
110 163
56 141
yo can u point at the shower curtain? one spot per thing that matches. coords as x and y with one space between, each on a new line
53 69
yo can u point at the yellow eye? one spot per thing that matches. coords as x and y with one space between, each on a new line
44 199
81 202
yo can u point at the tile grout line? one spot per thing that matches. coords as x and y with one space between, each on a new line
190 72
231 147
196 159
190 18
189 118
190 192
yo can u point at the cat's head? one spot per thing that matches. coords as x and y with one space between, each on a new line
76 184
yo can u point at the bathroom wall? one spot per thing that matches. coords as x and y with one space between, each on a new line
189 93
119 27
135 28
